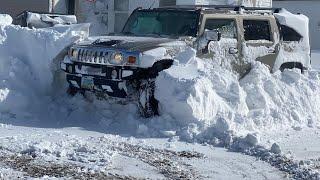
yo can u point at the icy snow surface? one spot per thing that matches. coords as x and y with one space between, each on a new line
201 101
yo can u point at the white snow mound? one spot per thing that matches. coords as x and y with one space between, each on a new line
204 93
5 19
26 64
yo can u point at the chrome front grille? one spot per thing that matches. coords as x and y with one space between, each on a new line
99 55
90 55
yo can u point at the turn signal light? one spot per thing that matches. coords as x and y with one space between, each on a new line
132 60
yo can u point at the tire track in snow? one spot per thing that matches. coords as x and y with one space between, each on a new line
168 163
30 167
294 169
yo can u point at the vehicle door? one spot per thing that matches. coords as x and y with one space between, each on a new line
260 39
226 51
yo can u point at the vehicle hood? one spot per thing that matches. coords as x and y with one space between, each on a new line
129 43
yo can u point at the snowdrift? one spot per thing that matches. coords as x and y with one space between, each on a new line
26 63
214 98
200 99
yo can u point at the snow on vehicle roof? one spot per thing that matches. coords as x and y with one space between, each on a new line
298 22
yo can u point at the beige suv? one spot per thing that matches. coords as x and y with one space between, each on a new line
125 66
258 34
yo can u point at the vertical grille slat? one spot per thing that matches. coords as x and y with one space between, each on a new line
92 56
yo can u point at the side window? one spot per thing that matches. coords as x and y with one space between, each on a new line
289 34
256 30
227 27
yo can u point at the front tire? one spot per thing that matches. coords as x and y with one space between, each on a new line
148 105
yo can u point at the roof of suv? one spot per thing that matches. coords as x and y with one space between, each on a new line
221 8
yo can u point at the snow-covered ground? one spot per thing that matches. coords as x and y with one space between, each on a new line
210 119
42 151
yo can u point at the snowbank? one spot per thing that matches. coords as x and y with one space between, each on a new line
26 63
211 101
5 19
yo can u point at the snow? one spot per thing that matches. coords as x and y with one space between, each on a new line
46 20
201 102
26 67
259 102
298 22
80 148
5 19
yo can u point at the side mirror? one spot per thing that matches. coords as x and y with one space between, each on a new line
212 35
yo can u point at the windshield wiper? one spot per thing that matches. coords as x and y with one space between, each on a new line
146 35
127 33
157 35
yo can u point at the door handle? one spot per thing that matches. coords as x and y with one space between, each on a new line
233 50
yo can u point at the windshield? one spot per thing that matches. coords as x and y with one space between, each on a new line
162 23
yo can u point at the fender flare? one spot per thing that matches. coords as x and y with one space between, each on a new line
153 72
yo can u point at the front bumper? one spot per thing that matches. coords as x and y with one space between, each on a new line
115 81
110 87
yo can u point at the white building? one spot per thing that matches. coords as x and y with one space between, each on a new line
108 16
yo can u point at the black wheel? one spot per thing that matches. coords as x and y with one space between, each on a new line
148 104
72 91
292 65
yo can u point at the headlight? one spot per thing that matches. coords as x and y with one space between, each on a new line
74 53
116 58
